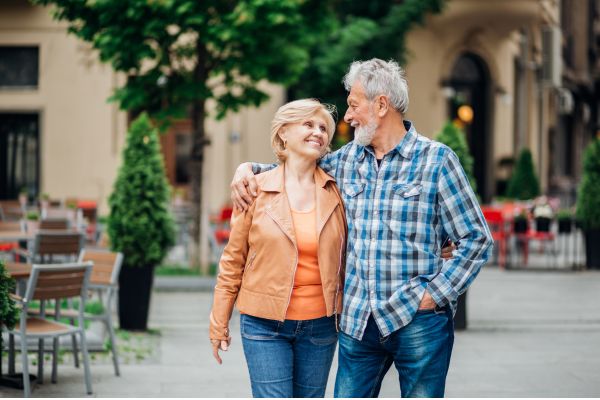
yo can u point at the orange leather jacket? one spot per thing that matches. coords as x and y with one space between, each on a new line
258 265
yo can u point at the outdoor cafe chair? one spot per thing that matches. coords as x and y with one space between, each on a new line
497 224
52 282
52 246
105 282
54 224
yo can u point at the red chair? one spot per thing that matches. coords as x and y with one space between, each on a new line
497 223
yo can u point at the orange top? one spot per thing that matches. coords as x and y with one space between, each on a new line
307 301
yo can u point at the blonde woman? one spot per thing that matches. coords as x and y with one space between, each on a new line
283 265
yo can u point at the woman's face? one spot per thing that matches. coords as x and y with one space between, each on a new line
307 138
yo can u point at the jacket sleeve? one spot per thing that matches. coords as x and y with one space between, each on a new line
231 270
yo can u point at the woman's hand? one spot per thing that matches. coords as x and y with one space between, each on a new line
219 345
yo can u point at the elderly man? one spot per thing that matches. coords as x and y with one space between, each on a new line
403 195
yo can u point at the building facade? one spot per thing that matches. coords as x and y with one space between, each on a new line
59 135
528 72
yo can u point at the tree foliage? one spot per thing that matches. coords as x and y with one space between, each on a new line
588 199
453 137
524 183
139 224
178 54
362 30
159 44
8 312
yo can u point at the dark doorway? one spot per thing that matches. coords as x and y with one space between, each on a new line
470 81
19 154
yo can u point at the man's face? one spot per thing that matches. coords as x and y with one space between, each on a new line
360 115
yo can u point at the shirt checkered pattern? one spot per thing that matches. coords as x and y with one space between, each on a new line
398 214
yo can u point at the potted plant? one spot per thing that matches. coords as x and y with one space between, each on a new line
32 221
44 201
588 203
8 312
524 183
23 197
542 213
521 222
139 224
565 220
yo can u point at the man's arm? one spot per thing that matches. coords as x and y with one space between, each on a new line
462 219
244 186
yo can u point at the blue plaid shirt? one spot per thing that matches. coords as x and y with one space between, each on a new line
398 214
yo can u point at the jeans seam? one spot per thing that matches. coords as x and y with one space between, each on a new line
377 378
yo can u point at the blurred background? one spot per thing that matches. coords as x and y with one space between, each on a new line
513 86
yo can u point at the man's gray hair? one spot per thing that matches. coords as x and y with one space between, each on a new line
380 78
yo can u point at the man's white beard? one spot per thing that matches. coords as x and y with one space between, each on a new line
364 135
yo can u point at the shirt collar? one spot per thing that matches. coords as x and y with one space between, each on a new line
405 148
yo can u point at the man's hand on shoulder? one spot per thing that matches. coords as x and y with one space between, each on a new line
244 187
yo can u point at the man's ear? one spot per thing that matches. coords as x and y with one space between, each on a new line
382 105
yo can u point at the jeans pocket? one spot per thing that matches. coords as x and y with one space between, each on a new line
323 332
258 328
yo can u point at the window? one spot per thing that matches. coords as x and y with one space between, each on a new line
19 154
19 66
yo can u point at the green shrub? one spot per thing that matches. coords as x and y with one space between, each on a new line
588 199
139 224
8 312
524 183
453 137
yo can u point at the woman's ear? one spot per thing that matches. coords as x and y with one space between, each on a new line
283 136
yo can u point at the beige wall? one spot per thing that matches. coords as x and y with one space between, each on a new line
486 28
80 133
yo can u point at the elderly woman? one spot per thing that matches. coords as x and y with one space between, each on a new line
284 263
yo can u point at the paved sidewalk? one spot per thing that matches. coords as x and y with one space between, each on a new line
531 334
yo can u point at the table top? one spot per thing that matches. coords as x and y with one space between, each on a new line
19 270
14 236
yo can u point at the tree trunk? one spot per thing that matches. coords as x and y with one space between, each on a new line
199 140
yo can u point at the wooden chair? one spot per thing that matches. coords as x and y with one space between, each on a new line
47 247
11 210
53 282
105 282
54 224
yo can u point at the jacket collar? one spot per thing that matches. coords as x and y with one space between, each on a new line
275 179
279 208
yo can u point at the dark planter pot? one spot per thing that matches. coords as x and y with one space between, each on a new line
542 224
520 225
460 318
565 226
592 248
135 287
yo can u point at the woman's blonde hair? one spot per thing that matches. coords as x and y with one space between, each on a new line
297 111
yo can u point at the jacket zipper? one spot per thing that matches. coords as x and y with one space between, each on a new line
337 288
251 263
295 266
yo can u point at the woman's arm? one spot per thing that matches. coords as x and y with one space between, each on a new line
229 280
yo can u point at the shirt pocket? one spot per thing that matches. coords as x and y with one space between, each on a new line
351 193
407 209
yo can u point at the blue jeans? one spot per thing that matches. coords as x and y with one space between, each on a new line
290 358
420 351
